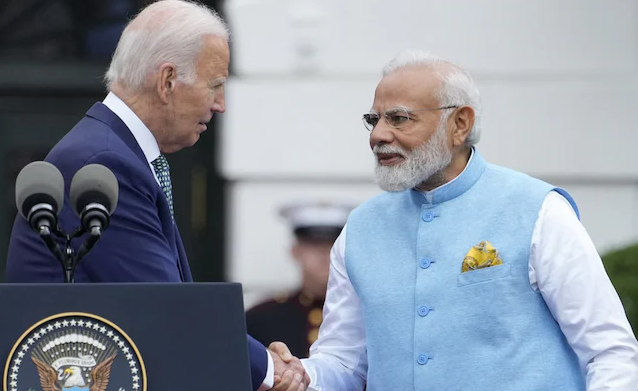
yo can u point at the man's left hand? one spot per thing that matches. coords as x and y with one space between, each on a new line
289 372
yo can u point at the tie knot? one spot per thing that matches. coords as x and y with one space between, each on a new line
161 163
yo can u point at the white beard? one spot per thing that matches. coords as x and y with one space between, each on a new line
421 164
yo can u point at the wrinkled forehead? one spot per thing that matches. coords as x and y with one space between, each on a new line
214 58
411 88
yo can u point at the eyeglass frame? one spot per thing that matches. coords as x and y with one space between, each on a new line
405 110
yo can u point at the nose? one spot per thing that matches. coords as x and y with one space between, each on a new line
381 134
219 104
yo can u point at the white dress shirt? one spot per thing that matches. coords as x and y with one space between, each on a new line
140 131
564 266
149 146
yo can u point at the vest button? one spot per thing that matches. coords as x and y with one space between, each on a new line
423 359
428 216
425 263
424 311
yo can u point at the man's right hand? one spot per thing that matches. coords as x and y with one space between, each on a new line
289 382
290 374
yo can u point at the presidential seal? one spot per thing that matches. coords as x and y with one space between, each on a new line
74 352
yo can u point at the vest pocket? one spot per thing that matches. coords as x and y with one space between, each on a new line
483 275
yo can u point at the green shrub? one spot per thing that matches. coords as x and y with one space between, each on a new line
622 268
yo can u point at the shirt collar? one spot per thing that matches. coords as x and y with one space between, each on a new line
140 131
459 185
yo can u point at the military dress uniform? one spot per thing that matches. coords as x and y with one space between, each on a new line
294 317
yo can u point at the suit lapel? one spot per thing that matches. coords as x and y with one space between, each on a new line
100 112
185 268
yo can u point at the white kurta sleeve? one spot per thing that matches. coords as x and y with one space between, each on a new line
567 270
338 358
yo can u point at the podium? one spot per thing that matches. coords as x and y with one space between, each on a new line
124 337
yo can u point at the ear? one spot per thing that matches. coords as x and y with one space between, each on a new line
166 82
463 119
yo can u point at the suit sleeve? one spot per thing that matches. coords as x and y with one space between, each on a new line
258 362
138 250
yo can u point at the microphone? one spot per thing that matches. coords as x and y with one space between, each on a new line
94 194
39 198
39 190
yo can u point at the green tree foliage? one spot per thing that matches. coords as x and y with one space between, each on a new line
622 268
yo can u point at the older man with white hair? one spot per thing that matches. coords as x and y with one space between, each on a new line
463 275
166 81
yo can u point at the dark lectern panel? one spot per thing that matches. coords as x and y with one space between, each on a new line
189 336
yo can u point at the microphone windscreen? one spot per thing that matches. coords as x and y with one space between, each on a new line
39 182
94 183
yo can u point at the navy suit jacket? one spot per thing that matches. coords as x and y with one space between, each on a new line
142 243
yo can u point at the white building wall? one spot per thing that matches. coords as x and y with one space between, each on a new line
558 79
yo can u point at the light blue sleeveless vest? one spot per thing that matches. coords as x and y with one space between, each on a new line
431 327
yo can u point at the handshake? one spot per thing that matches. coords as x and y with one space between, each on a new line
290 374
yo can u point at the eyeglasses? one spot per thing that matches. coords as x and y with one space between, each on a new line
397 117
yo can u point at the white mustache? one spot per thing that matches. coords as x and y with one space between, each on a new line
388 149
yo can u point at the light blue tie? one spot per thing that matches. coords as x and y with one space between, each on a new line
163 172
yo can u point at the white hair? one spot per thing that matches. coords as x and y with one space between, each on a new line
458 87
166 31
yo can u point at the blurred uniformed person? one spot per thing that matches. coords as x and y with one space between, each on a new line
294 318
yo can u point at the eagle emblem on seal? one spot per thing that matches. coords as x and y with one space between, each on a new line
71 378
74 361
74 352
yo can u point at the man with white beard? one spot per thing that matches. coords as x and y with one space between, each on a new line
463 275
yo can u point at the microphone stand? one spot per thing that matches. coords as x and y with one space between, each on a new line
68 258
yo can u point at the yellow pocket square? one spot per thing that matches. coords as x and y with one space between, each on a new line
481 256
